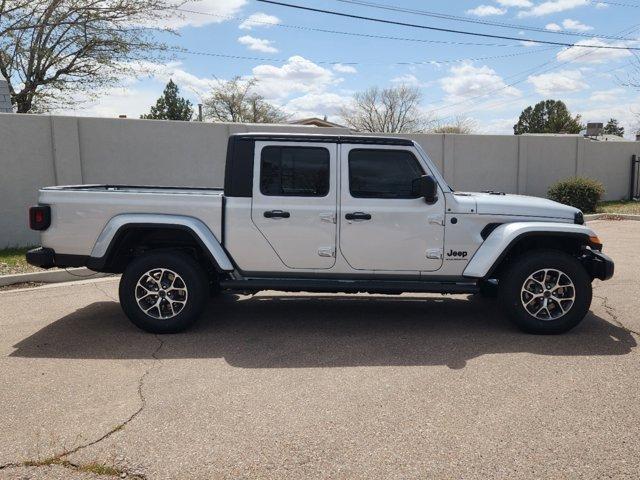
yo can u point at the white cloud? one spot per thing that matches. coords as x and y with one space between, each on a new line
515 3
340 68
317 105
602 5
162 73
207 12
498 126
298 75
407 79
259 20
553 27
257 44
576 25
562 81
466 81
113 102
132 98
579 54
552 6
486 10
607 96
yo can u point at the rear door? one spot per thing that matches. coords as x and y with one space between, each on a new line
295 201
384 226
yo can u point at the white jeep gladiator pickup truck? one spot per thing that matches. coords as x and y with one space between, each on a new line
322 213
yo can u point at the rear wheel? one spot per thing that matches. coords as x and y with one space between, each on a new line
163 292
546 292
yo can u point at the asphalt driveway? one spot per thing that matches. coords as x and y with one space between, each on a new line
321 386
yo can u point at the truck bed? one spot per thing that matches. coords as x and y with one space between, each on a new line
79 213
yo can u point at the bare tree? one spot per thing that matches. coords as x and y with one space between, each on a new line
633 80
633 75
53 50
636 127
236 100
12 16
388 110
460 125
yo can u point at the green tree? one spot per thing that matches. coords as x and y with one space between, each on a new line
548 116
612 128
170 106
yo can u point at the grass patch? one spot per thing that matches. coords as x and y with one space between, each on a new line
100 469
12 261
621 206
46 462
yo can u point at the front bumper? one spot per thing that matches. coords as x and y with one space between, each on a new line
47 258
599 265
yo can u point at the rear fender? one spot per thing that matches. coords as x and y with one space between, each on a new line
201 232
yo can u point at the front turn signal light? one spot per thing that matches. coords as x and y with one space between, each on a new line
595 241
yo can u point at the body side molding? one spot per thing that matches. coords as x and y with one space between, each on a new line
197 227
504 236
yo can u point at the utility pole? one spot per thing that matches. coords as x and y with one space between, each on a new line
199 112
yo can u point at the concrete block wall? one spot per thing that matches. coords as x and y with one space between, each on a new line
37 151
5 97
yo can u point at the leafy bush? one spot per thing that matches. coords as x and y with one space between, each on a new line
579 192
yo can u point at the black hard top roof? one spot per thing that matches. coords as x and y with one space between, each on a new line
324 138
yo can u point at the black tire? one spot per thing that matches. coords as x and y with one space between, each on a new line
513 280
189 301
488 290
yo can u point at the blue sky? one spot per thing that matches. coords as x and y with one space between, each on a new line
311 73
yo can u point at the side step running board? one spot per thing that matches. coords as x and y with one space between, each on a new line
347 286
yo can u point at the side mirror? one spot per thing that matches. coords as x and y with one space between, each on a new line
427 187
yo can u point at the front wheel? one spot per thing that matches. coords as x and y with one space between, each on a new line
163 292
546 292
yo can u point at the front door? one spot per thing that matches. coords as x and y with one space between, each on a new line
384 226
294 201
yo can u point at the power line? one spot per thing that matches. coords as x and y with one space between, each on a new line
438 29
616 4
351 63
356 34
458 18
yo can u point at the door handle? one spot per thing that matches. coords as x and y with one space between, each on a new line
276 214
357 216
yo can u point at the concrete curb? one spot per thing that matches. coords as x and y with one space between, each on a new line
605 216
49 286
51 276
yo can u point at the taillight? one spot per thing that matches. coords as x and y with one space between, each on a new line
40 217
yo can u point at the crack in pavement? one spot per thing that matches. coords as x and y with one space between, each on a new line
106 294
60 459
102 469
611 311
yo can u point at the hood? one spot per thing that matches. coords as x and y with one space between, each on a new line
520 205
